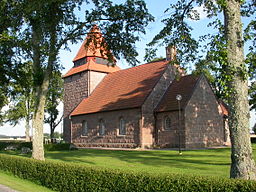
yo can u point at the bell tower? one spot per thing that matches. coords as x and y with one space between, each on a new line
91 64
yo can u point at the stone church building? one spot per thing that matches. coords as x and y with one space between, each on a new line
105 106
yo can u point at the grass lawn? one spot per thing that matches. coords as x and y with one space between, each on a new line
210 162
20 184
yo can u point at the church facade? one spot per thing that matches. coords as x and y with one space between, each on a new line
105 106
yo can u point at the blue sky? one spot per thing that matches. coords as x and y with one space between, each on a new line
156 8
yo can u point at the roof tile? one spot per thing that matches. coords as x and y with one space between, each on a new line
183 86
93 45
91 65
123 89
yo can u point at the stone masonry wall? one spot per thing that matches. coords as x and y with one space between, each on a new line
75 89
148 119
170 138
203 121
111 138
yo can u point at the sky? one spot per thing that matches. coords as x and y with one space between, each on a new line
156 8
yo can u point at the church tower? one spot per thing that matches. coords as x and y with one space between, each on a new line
91 64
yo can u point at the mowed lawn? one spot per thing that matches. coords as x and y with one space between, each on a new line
211 162
207 162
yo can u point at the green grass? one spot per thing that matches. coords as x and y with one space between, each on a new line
20 184
211 162
208 162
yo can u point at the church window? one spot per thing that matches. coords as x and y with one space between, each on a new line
101 127
84 128
167 123
122 127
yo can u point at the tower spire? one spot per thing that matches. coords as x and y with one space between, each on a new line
94 45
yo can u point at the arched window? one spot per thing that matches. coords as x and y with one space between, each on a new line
167 123
122 127
101 127
84 128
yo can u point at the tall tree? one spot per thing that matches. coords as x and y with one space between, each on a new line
21 97
10 21
54 97
50 24
231 59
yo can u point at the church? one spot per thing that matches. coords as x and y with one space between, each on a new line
150 105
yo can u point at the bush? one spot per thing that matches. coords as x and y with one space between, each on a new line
56 147
47 147
17 144
74 177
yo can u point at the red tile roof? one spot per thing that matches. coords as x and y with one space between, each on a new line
93 45
224 107
123 89
184 86
92 66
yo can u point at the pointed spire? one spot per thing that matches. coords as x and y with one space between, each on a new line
94 45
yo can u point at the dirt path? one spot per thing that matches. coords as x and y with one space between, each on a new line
6 189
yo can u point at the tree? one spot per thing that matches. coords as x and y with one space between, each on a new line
230 58
22 96
54 97
9 23
49 25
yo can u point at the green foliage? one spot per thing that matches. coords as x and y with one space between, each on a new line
22 95
9 22
47 147
54 97
71 177
17 144
57 147
177 32
121 25
157 59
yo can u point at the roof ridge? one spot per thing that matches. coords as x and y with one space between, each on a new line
130 68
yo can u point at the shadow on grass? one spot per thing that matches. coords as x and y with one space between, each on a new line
198 159
203 162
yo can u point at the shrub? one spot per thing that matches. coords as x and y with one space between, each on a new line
74 177
17 144
56 147
47 147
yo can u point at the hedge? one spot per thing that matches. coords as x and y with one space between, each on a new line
56 146
47 147
73 177
17 144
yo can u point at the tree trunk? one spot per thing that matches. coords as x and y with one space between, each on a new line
41 80
27 129
38 120
242 163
